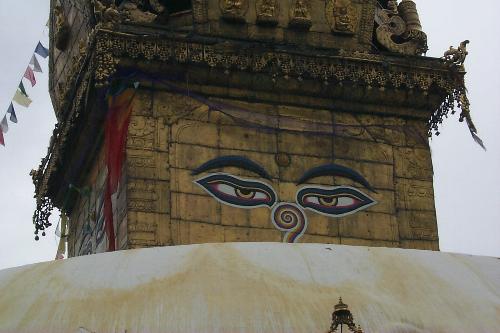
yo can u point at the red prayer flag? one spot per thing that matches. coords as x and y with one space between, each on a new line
115 138
30 75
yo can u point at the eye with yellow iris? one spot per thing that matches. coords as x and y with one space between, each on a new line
245 193
334 201
238 192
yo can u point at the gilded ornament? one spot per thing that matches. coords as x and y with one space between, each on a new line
300 15
401 32
233 10
456 56
342 16
267 12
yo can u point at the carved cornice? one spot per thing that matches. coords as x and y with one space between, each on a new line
357 67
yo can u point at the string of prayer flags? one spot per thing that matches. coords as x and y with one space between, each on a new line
13 116
30 75
21 96
36 65
41 50
22 99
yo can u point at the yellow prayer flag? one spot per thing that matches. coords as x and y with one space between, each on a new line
21 99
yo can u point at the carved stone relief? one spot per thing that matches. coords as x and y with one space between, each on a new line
400 30
342 16
300 15
142 133
142 195
233 10
267 12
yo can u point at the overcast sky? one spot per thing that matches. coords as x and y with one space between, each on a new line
467 179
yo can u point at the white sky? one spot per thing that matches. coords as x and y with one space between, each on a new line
467 179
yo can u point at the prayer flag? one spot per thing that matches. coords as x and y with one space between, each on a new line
21 87
30 76
12 112
41 50
36 65
4 124
21 99
2 141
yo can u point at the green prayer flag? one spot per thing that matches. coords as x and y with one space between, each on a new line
21 87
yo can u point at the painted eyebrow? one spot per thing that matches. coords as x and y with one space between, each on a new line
335 170
232 161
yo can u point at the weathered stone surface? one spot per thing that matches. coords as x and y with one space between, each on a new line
147 164
380 176
418 225
414 194
367 242
205 233
242 138
148 195
420 245
413 163
189 207
354 149
195 132
374 226
189 156
301 144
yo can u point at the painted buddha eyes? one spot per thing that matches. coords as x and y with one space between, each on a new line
333 201
245 193
238 192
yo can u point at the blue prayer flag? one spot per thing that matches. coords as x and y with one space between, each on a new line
13 117
41 50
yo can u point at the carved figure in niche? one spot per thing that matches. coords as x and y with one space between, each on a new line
456 56
267 12
342 16
401 31
233 10
288 217
300 15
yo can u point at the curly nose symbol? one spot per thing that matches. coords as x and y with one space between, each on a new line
291 219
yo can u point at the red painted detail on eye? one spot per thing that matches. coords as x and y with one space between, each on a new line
357 203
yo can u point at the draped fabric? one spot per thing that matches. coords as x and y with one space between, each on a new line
13 116
30 75
21 99
41 50
36 65
115 138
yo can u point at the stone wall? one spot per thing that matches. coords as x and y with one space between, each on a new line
170 135
65 63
